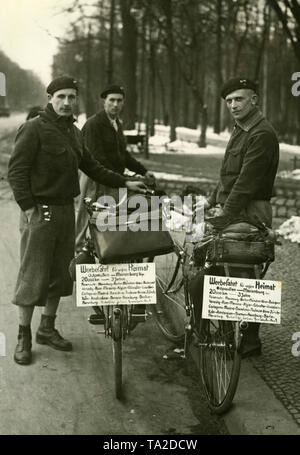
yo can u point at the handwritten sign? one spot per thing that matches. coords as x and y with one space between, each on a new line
115 284
241 299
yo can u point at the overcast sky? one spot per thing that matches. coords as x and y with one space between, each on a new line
24 32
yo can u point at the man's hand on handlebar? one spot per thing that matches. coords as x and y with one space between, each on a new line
137 187
149 178
202 204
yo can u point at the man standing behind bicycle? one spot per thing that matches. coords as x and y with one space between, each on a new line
103 136
247 172
43 174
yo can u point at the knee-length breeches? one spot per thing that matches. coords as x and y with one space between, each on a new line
47 248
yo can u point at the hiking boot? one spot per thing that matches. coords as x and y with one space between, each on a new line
22 354
47 334
251 349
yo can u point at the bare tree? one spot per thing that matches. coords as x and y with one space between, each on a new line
129 61
110 69
288 13
167 9
219 65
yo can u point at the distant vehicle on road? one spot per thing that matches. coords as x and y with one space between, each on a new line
4 108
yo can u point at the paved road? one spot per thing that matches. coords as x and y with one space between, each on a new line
11 122
72 393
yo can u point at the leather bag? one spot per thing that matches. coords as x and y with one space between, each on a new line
123 244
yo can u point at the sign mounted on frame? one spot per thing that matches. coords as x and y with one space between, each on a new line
241 299
115 284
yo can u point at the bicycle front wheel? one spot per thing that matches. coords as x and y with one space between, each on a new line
117 345
169 311
220 362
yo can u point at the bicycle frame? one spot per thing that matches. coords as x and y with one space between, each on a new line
218 343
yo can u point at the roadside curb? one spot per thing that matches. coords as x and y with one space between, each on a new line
256 410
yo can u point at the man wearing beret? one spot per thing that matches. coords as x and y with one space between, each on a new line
43 174
251 159
103 135
248 171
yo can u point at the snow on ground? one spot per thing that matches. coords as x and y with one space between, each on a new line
295 174
290 229
187 139
160 145
181 178
191 135
295 149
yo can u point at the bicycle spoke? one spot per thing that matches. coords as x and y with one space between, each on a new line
220 366
169 311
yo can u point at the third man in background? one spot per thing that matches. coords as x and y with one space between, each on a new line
103 136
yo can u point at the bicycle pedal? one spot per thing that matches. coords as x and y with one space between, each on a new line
96 319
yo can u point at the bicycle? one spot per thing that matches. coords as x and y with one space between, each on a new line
118 320
218 343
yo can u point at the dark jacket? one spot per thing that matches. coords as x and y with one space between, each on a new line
249 166
43 167
109 146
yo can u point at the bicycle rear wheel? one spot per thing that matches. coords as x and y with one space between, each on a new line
117 345
220 362
169 311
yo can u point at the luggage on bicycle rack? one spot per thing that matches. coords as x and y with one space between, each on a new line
238 243
240 251
125 244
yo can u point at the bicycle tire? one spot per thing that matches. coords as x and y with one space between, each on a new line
169 311
220 362
117 345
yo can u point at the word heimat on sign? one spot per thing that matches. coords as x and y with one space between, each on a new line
115 284
241 299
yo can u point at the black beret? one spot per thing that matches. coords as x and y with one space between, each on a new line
60 83
236 84
113 89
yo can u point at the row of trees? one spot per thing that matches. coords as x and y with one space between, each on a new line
173 56
23 87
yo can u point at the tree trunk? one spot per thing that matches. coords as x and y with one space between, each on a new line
89 105
202 138
166 5
129 60
262 53
217 119
152 88
110 69
142 76
165 115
